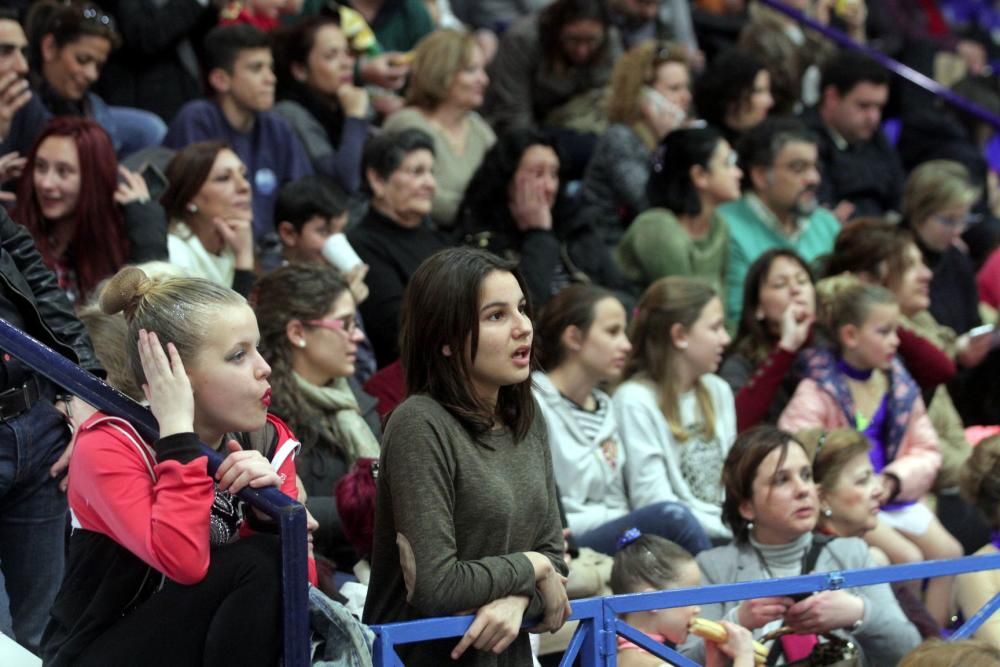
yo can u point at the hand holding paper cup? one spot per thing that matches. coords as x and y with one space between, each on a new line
338 251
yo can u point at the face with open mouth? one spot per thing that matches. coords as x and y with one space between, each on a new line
503 354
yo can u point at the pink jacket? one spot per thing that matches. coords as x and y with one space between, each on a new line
918 458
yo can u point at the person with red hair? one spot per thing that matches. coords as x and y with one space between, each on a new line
75 198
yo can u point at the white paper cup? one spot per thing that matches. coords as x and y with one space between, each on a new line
338 251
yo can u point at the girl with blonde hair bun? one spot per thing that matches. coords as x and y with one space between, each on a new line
149 518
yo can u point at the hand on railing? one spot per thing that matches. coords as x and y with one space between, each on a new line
552 588
496 626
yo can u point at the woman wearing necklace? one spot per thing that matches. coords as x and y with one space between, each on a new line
446 87
771 505
861 384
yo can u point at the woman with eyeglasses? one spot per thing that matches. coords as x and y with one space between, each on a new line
70 43
309 337
693 172
937 201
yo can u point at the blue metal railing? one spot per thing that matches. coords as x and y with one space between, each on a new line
908 73
595 643
288 514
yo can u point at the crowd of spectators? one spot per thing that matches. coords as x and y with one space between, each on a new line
526 284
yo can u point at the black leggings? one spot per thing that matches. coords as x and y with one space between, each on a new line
231 617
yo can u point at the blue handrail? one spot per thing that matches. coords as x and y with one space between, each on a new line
288 514
595 639
908 73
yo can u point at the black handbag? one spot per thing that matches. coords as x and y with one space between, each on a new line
831 651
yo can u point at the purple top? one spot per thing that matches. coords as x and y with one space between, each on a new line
874 432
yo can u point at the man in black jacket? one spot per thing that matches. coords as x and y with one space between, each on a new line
34 437
861 172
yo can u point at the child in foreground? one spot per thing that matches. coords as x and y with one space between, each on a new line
646 563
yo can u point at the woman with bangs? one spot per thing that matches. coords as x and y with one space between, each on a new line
676 416
74 198
772 508
447 83
467 515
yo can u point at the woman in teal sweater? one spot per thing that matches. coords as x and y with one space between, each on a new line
693 171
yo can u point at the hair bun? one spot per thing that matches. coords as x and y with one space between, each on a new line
123 292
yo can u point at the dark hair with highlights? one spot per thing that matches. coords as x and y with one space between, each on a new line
441 308
753 339
669 185
740 470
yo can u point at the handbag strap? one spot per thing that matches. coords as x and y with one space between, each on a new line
819 542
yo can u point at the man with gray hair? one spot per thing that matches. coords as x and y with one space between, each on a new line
778 208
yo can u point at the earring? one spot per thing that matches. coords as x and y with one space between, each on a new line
192 208
750 526
682 345
827 512
301 344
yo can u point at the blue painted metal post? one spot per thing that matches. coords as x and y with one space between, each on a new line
976 620
290 516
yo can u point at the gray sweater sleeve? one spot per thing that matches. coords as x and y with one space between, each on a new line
343 165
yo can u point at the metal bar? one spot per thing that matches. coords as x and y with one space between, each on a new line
654 647
289 515
597 613
576 643
908 73
976 621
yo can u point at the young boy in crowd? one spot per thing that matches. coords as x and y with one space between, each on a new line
307 213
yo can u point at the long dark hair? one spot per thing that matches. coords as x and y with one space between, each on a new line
186 174
740 470
66 22
753 339
295 292
441 308
99 246
485 205
292 46
572 306
669 185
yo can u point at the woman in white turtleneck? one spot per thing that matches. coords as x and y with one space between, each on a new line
771 506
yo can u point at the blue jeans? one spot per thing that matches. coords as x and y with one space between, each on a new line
135 129
32 517
667 519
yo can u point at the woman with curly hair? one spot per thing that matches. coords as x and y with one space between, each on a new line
309 337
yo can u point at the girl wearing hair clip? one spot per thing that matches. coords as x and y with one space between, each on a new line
646 563
163 567
693 171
